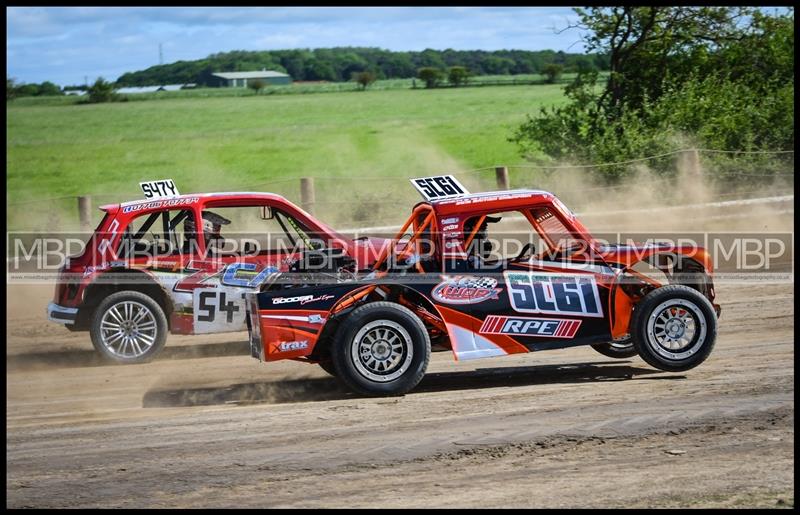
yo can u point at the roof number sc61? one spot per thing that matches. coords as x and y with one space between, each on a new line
440 187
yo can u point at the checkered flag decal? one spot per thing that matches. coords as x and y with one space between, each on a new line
478 282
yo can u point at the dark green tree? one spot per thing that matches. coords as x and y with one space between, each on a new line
457 75
50 89
720 76
101 91
430 76
552 71
11 88
256 85
364 79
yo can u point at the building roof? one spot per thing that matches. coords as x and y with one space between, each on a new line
153 89
143 89
263 74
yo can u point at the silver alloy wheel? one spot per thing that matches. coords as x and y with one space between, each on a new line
382 350
676 329
128 329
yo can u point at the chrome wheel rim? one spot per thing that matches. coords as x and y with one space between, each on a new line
382 351
676 329
128 329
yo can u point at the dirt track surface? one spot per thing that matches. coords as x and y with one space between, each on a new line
205 425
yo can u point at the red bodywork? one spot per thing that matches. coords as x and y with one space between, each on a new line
464 328
73 299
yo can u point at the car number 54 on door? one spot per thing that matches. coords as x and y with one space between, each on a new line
218 310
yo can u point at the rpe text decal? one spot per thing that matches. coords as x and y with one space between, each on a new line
553 293
527 326
465 289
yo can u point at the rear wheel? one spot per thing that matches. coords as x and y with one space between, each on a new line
328 367
674 328
381 348
129 327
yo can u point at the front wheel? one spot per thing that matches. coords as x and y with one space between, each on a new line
381 348
619 349
674 328
129 327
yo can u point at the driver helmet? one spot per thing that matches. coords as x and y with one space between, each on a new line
212 224
482 246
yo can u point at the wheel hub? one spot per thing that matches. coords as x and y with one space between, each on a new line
128 329
675 329
381 350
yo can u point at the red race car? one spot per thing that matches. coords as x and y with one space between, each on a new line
487 274
181 264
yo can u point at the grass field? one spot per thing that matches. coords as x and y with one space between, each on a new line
353 142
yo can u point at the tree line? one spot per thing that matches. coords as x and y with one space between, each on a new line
711 77
344 63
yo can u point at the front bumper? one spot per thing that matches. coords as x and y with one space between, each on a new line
60 314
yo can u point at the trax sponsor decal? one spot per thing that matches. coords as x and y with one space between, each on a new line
440 187
290 346
451 235
453 220
159 189
302 299
219 310
450 227
159 204
553 293
527 326
244 275
465 289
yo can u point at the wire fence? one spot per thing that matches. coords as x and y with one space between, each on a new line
387 198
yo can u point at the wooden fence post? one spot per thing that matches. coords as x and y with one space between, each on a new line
307 194
502 177
695 169
85 212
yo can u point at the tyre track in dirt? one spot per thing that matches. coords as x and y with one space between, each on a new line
194 430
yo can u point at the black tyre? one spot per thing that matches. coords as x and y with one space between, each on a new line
328 367
619 349
129 327
674 328
381 348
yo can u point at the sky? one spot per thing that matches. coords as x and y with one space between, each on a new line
71 45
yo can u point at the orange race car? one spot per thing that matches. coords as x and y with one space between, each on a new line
481 275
